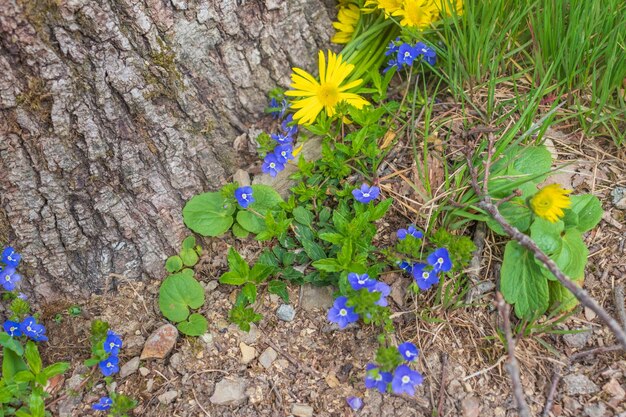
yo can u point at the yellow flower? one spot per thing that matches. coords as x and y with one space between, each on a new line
417 13
446 10
389 6
347 19
550 201
326 93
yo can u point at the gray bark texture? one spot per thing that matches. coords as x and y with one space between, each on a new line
115 112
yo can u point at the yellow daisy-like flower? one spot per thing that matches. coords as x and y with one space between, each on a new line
550 201
347 19
326 93
389 6
417 13
449 7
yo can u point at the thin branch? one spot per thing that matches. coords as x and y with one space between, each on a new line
595 351
556 377
619 303
512 367
442 391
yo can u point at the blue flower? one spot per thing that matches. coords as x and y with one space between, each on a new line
9 278
366 193
109 366
244 196
355 403
407 54
271 165
103 405
278 110
424 279
289 127
12 328
408 351
411 231
393 47
282 138
341 314
392 63
113 343
440 260
384 291
360 281
405 266
35 331
283 153
405 379
375 378
11 258
429 55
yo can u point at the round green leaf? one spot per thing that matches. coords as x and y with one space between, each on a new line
197 325
173 264
209 214
189 257
239 231
250 222
189 242
179 293
589 211
265 198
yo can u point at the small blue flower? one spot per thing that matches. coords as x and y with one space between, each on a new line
12 328
393 47
408 351
384 291
440 260
103 405
411 231
35 331
360 281
392 63
424 279
244 196
355 403
405 266
109 366
405 379
22 296
429 55
407 54
278 110
289 127
282 138
9 278
284 153
11 258
271 165
341 314
366 193
375 378
113 343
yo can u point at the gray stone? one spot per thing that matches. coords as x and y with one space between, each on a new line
250 337
268 357
577 340
129 367
576 384
471 406
176 362
210 286
286 312
242 177
229 392
316 298
167 397
144 371
207 339
248 353
74 382
619 197
595 410
301 410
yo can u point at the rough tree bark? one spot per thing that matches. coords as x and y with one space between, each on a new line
115 112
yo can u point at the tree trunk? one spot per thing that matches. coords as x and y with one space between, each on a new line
115 112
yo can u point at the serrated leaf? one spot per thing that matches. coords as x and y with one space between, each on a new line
24 376
209 214
379 211
11 364
328 265
174 264
11 343
237 264
334 238
303 216
279 288
249 292
260 272
55 369
313 249
31 353
232 278
523 283
179 293
196 325
189 257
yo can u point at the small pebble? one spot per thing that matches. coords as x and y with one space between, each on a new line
168 397
286 312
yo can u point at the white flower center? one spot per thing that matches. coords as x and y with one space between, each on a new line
366 194
343 312
272 165
13 329
425 275
406 379
408 353
283 153
244 196
29 329
440 261
407 54
379 377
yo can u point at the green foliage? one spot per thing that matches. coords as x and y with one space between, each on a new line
209 214
122 404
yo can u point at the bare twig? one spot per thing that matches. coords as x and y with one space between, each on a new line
442 386
619 303
595 351
556 377
512 366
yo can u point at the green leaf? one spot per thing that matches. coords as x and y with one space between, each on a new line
334 238
10 343
313 249
249 292
11 364
174 264
516 213
533 160
36 405
260 272
279 288
232 278
196 325
179 293
561 298
589 211
6 396
189 257
237 264
303 216
265 198
523 283
24 376
209 214
55 369
243 316
251 222
328 265
31 353
571 257
239 231
547 235
189 242
379 211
